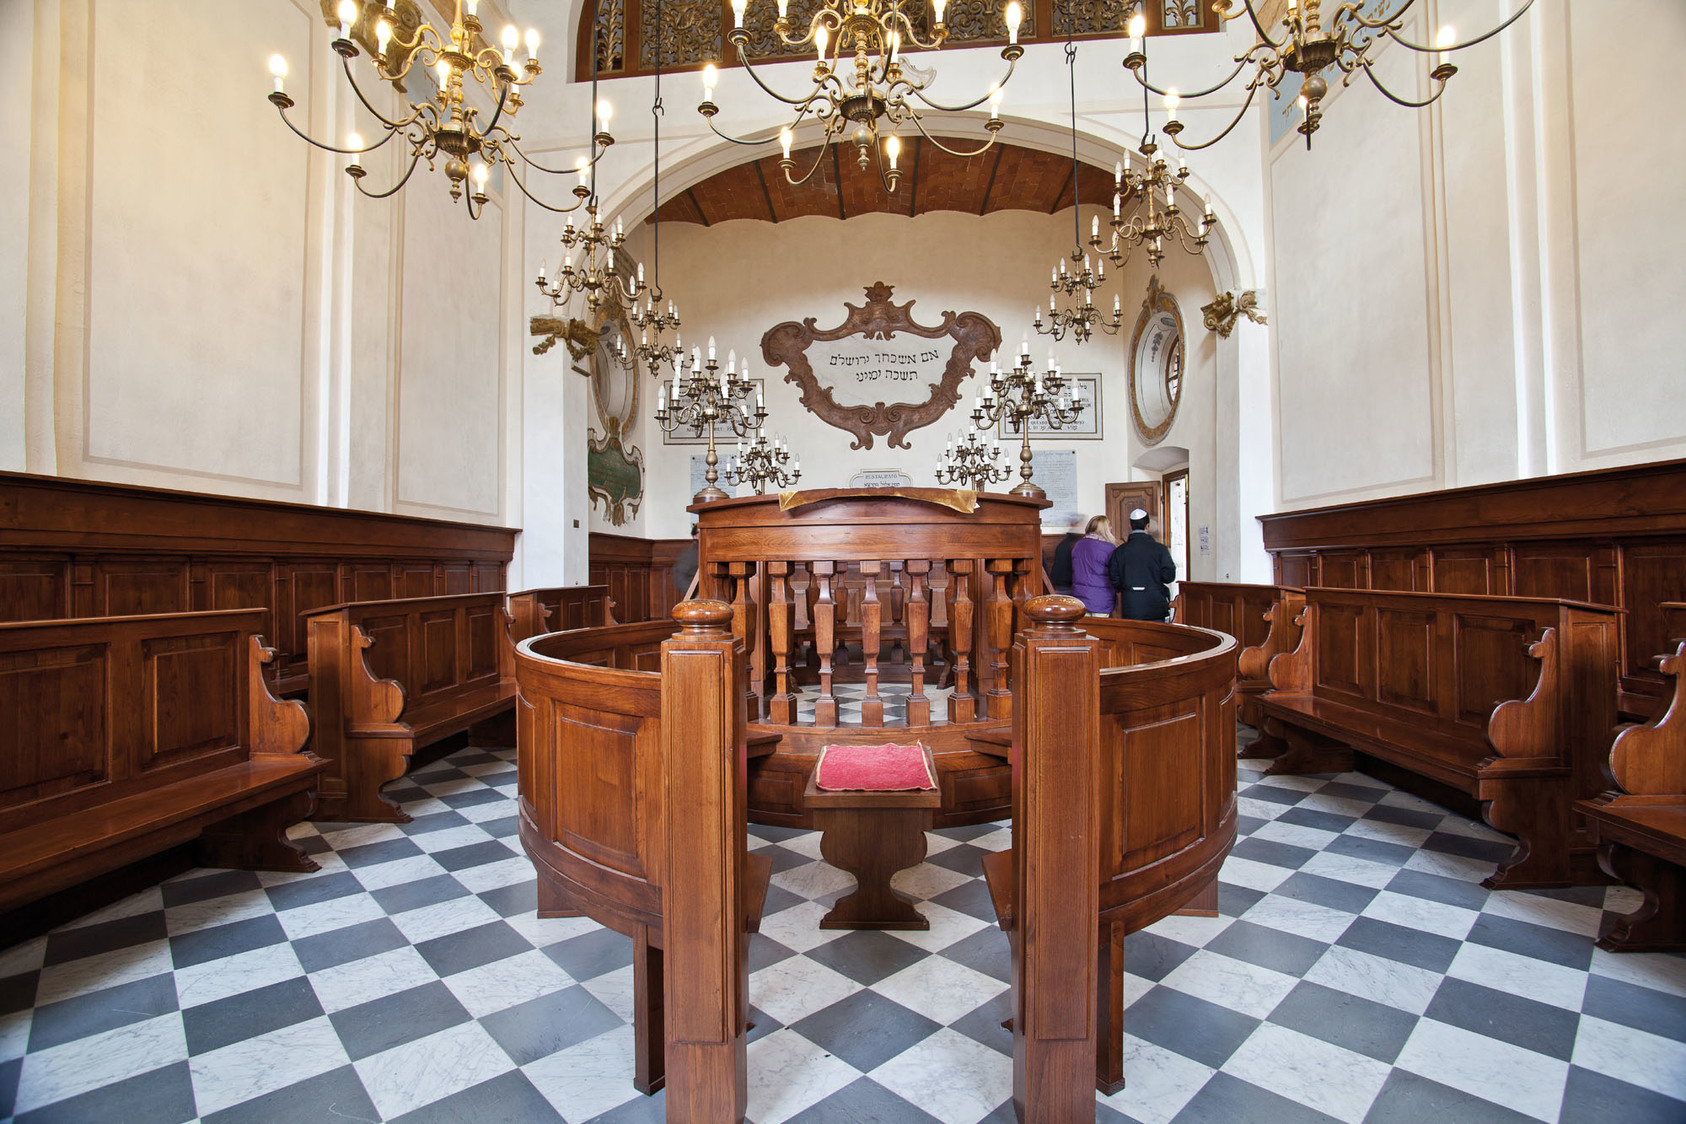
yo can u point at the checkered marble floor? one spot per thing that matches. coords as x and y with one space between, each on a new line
894 696
1357 972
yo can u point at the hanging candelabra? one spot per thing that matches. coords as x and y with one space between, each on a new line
1023 397
596 277
762 462
969 461
705 398
651 320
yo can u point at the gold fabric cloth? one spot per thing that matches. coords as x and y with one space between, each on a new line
963 500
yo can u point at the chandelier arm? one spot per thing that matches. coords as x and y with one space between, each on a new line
345 63
1252 92
1420 48
979 151
1395 98
510 140
578 202
1383 20
740 140
1011 65
395 188
413 50
819 155
1257 26
497 113
1240 65
912 34
314 143
801 103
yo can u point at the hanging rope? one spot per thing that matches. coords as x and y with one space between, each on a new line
656 111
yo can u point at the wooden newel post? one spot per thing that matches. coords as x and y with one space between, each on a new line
1056 876
706 977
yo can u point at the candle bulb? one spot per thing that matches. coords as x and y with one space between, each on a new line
348 16
1442 42
784 141
710 75
383 33
711 348
1171 103
278 70
511 40
532 45
1138 28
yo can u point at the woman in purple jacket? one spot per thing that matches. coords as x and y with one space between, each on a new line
1089 581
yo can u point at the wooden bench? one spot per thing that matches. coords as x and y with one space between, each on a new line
1640 827
1260 617
388 677
536 611
126 736
1509 700
873 835
632 802
1123 811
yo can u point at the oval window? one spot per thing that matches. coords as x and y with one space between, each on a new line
1156 364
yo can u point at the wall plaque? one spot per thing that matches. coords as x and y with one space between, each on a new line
880 372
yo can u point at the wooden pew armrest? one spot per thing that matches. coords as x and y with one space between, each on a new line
758 875
998 877
761 745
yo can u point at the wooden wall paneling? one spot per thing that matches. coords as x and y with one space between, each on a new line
1399 569
1296 569
455 577
1344 569
1570 570
34 587
1472 570
129 587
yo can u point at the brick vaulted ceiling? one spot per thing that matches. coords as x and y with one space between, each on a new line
1007 177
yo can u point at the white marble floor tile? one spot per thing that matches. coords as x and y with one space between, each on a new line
1294 783
327 862
1398 798
939 989
372 977
325 917
1135 987
1622 899
504 983
1657 970
614 991
798 928
426 806
491 810
1383 832
1455 824
99 1059
796 987
451 837
814 880
936 844
808 843
450 787
1520 975
998 840
1157 1082
1421 914
788 1073
1303 919
24 957
143 901
1253 875
1334 805
952 1077
1375 978
1635 1056
1450 866
238 1072
927 880
1259 809
541 932
410 868
218 979
362 834
509 872
1518 1079
429 1069
1186 929
194 916
14 1033
1295 835
1313 1072
1231 983
443 919
94 973
588 1078
1549 912
1360 872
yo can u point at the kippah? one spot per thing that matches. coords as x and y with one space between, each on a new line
1138 513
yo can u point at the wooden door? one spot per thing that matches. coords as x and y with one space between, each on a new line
1121 499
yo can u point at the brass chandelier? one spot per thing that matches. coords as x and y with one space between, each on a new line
762 462
704 400
879 96
445 127
970 462
1022 397
1304 43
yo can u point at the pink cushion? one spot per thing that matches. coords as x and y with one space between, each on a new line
873 768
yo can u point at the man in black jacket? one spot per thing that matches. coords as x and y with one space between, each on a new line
1060 574
1141 569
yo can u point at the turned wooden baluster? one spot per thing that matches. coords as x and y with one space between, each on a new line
825 641
781 708
998 617
962 706
898 611
918 612
745 618
872 635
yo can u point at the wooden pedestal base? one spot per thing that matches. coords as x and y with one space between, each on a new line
872 835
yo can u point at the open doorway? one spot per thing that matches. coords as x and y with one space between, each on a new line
1174 518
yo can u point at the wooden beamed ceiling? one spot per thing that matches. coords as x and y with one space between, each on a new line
1005 178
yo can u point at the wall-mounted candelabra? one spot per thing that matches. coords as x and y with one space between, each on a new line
1023 397
762 462
705 398
969 461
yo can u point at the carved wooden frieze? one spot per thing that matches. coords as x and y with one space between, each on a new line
891 355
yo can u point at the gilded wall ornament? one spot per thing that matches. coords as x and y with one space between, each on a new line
1221 315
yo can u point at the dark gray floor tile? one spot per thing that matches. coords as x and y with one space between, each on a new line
208 886
108 1009
761 1024
1534 1026
17 993
508 1099
764 951
9 1071
1436 888
863 1102
1262 945
540 1027
504 827
866 955
1395 942
163 1096
1322 821
1152 956
971 898
1590 896
1373 1029
639 1110
508 901
1235 900
1373 850
1405 817
354 942
778 900
309 891
436 821
1592 1098
470 948
104 936
392 1020
1276 854
783 859
773 834
473 798
1553 945
1246 825
225 940
337 1095
964 859
589 955
1486 850
1353 790
249 1014
1191 1027
865 1029
983 1024
1408 1099
1276 794
414 895
387 850
1229 1100
475 854
986 951
969 831
1655 1011
1348 897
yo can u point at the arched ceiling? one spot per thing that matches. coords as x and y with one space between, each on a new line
1005 178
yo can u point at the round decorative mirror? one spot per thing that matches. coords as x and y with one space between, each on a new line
1156 364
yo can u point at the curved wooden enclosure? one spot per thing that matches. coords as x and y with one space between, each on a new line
916 585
